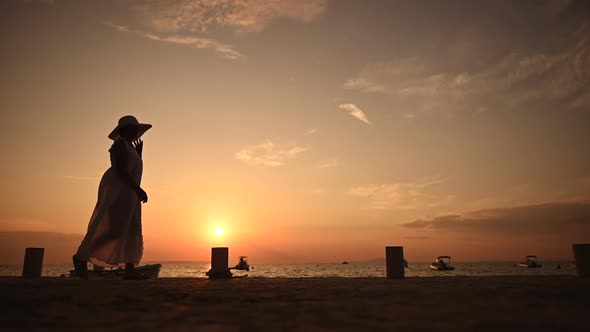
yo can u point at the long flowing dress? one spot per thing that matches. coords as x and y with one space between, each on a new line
114 235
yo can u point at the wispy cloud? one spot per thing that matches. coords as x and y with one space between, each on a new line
203 43
363 84
269 153
403 196
310 131
408 115
386 77
328 163
203 16
120 28
549 76
355 111
319 190
192 22
222 49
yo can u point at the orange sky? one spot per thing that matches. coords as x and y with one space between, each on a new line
310 131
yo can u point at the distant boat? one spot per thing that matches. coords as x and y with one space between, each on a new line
405 263
344 262
442 263
530 262
242 264
150 270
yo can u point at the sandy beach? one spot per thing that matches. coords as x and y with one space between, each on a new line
540 303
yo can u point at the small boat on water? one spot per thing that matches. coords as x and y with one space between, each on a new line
405 263
530 262
242 264
442 263
97 273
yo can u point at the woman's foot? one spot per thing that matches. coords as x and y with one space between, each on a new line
81 267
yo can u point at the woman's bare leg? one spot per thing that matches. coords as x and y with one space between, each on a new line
81 267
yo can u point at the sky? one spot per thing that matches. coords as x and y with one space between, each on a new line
307 130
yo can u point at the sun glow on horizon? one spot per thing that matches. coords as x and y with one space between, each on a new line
218 231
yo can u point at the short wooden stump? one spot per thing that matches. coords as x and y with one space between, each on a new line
33 264
582 259
219 263
394 262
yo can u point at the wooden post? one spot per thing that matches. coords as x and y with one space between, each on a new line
33 262
219 263
394 262
582 259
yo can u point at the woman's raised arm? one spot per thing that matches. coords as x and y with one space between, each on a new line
119 155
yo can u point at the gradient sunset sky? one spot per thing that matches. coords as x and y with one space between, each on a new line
309 131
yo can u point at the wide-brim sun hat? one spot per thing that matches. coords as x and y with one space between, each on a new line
126 121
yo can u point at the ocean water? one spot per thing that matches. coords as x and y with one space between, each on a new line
374 269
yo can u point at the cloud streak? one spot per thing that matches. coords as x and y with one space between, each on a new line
355 112
402 196
191 22
269 154
555 217
220 48
328 164
202 43
241 16
363 84
556 76
310 131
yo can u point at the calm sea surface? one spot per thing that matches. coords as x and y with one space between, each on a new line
197 270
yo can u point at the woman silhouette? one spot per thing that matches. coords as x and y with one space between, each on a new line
114 232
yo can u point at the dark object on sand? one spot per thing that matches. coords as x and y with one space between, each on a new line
33 262
150 270
394 262
582 259
219 264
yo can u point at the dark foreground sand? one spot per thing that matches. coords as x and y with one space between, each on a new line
539 303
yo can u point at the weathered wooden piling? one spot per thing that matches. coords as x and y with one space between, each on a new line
582 259
33 264
394 262
219 263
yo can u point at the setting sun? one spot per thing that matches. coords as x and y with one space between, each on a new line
218 231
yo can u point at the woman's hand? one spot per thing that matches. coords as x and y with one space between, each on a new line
142 195
138 145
